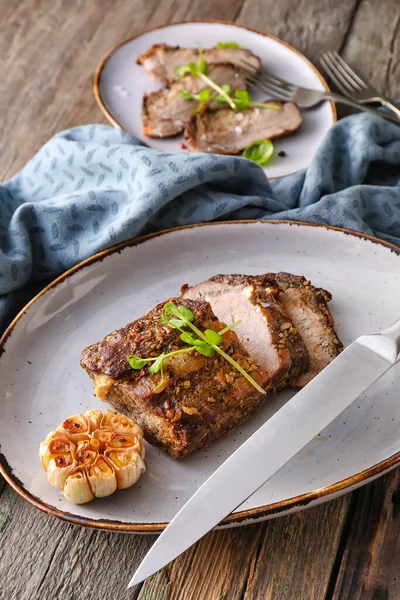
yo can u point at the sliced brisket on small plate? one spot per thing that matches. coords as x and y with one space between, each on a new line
229 131
161 60
165 113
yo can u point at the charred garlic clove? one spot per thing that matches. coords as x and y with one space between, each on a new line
59 468
77 488
76 428
128 466
102 436
102 477
94 416
91 455
54 445
120 423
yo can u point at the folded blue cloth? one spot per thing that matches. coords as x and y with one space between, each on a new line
94 186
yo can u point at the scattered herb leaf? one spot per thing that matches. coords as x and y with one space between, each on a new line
224 45
260 152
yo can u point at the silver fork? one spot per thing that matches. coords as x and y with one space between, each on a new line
304 97
350 84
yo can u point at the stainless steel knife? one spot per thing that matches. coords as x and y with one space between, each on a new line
279 439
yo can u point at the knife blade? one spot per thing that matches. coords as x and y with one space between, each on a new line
278 440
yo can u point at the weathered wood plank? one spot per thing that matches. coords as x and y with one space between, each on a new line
311 27
370 567
274 560
373 45
215 568
49 51
42 558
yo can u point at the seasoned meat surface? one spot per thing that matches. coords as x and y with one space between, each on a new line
265 329
161 60
229 132
165 112
200 399
307 308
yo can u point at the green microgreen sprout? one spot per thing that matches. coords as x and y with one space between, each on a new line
205 342
241 100
200 70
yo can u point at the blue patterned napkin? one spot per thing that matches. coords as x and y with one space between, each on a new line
94 186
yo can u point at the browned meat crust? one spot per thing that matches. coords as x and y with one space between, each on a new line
229 132
161 60
266 330
307 309
201 398
165 113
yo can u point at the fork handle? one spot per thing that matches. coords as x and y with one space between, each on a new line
354 104
390 105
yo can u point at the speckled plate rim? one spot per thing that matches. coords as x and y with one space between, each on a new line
115 123
259 513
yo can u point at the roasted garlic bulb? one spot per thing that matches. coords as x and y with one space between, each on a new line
91 455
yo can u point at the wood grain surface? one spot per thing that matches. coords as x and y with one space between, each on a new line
347 549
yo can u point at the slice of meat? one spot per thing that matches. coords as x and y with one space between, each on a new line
161 60
165 113
200 398
265 329
307 308
229 132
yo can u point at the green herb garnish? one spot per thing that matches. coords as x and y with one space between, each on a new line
200 70
240 101
206 343
224 45
259 152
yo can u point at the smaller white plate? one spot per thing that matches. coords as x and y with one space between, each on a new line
120 85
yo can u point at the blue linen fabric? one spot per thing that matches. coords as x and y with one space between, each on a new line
91 187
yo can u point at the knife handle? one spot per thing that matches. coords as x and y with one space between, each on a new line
393 333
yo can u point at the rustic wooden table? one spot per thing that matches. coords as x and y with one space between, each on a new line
347 549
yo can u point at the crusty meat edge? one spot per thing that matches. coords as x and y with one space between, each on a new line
190 132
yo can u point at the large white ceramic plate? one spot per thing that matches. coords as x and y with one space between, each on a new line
42 382
120 85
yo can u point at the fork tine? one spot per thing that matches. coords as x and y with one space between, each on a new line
269 88
335 75
350 71
266 75
272 90
332 75
355 87
264 80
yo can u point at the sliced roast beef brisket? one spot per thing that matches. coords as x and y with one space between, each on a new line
265 329
161 60
200 399
229 132
307 308
165 112
285 321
